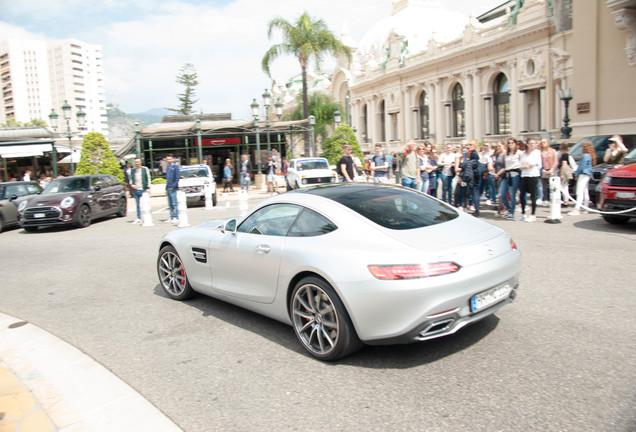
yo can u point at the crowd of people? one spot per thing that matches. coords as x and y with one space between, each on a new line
512 176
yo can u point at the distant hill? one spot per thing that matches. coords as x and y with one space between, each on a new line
152 116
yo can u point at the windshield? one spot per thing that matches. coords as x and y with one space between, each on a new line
600 142
631 155
391 207
303 165
67 184
194 172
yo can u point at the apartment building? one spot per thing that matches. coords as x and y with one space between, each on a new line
40 76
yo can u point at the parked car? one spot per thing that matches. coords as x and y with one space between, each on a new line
348 264
76 200
601 169
618 193
194 180
601 143
11 194
309 171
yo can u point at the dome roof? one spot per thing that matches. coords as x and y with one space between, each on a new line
419 21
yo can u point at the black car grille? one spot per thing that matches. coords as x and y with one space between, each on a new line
42 213
318 180
191 189
623 181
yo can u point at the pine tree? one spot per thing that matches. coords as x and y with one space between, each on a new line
97 157
188 78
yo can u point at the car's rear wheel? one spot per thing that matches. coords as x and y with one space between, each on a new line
83 218
123 207
616 220
214 199
172 275
321 321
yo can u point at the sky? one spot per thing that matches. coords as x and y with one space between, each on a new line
146 42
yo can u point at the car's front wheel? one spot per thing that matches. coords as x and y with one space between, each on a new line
83 218
172 275
321 321
123 207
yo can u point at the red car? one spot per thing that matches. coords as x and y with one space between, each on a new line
617 192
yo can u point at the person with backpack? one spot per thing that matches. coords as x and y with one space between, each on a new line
379 165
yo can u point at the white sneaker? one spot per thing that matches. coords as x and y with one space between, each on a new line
169 220
488 202
137 221
539 202
175 221
531 219
574 213
521 217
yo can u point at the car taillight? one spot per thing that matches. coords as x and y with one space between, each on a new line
395 272
513 245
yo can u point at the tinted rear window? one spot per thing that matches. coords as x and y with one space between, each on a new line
391 207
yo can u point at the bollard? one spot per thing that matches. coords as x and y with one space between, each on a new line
242 196
207 191
555 202
146 210
183 209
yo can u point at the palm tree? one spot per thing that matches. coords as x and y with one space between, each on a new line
306 39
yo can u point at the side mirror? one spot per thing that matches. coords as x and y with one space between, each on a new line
98 188
13 198
229 226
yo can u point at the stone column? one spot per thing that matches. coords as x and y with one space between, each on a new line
478 113
438 107
468 105
515 113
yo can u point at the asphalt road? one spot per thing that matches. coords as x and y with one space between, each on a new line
562 357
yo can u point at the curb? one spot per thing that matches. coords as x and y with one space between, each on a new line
72 390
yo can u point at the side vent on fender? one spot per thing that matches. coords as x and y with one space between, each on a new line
200 255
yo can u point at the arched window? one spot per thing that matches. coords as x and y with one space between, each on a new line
501 93
382 115
459 115
424 118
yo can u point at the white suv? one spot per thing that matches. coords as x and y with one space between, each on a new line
193 179
309 171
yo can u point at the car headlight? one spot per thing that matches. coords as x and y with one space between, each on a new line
606 180
67 202
22 205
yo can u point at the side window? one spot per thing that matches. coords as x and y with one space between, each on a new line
33 189
311 224
18 190
96 181
272 220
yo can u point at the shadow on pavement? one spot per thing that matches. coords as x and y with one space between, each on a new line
374 357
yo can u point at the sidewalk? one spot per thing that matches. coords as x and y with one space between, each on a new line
48 385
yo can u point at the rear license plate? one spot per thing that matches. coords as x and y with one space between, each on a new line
626 195
489 297
39 215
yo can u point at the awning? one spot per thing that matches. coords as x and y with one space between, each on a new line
67 159
24 150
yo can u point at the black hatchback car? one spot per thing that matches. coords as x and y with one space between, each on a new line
76 200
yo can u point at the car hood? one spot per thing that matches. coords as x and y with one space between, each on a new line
316 173
624 171
194 181
464 240
53 199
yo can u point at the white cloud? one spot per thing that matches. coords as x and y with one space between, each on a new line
146 42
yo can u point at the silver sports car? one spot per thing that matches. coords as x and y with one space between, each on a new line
348 265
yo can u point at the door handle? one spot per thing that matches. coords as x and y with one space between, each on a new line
262 249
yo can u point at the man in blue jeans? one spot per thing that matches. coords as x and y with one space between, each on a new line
410 168
139 183
172 186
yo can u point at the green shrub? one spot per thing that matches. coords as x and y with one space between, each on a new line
159 180
97 157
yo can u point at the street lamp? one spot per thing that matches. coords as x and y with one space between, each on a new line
279 108
312 123
66 112
137 130
566 97
255 110
337 117
267 100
